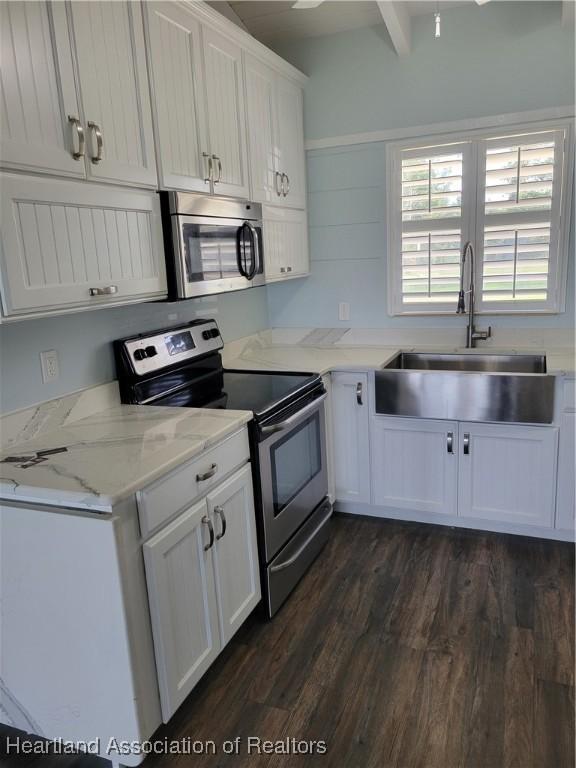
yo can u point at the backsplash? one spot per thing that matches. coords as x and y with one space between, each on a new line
83 341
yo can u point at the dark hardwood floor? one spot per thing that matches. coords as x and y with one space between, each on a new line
405 645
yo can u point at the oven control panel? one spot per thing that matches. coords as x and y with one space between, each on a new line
161 349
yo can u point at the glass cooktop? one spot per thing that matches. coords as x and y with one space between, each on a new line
241 390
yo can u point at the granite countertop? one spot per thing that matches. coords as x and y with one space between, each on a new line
96 461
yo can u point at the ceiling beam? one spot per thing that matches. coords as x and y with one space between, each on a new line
397 21
568 15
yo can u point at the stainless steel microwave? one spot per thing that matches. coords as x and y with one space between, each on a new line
212 244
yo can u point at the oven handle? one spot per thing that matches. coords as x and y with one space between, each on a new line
287 423
296 555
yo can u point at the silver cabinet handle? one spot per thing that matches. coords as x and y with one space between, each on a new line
466 443
109 290
359 393
288 269
278 189
219 179
450 442
208 474
207 156
75 123
220 511
285 188
206 520
95 128
283 270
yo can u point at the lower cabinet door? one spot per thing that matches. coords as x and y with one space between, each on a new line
182 595
565 499
414 464
231 508
350 430
508 473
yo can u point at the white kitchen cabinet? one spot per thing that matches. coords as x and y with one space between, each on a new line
183 608
350 426
414 464
175 62
231 508
285 243
275 136
291 160
262 141
507 473
38 94
566 492
113 80
225 113
70 244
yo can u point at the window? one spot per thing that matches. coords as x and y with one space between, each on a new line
507 194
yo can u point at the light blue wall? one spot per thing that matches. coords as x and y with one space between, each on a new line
83 341
503 57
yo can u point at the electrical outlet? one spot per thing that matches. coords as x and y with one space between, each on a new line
50 367
344 310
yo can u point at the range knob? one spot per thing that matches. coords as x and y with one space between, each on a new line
214 333
206 335
151 351
139 354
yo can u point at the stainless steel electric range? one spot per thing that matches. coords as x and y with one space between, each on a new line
182 366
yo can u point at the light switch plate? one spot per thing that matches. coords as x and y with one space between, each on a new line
344 310
50 366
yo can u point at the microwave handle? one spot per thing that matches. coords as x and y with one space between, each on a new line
240 245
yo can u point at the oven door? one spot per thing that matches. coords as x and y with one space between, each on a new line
293 474
213 255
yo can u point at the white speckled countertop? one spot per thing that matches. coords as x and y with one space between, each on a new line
107 454
322 350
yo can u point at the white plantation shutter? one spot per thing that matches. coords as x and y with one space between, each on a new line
519 208
507 194
431 213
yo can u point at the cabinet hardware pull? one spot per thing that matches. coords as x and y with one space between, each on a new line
75 122
278 189
109 290
466 443
285 189
219 179
288 269
283 270
359 393
206 520
220 511
450 442
208 474
95 128
207 156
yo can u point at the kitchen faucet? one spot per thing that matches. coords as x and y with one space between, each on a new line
472 335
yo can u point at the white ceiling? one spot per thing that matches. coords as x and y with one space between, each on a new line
273 21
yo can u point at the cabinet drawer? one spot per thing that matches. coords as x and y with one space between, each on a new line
569 395
174 492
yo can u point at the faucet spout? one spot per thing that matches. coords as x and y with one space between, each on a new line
472 335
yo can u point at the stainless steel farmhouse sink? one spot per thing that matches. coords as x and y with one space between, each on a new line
467 387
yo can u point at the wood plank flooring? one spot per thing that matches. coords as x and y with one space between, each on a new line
404 646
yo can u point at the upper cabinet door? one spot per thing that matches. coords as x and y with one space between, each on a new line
109 39
70 244
223 80
261 110
290 150
175 61
40 125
